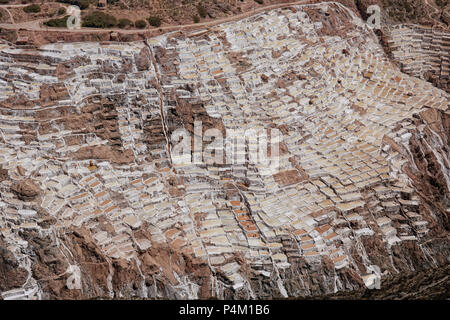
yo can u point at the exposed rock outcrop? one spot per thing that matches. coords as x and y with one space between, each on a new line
25 190
11 275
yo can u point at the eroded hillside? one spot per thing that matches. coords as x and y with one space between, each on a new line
93 204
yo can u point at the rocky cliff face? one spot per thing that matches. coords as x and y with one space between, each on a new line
94 202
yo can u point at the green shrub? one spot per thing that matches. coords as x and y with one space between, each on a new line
57 23
82 4
98 19
123 23
140 24
154 21
408 7
196 19
201 11
61 11
32 8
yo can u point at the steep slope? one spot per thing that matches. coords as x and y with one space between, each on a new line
416 36
95 202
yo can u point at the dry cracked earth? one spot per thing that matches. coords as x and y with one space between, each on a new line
93 205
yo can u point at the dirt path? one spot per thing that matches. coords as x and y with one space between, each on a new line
9 12
28 25
34 25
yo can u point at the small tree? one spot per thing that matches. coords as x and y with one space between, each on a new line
32 8
201 11
140 24
154 21
196 19
57 23
123 23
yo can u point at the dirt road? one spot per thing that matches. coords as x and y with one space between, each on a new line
9 13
